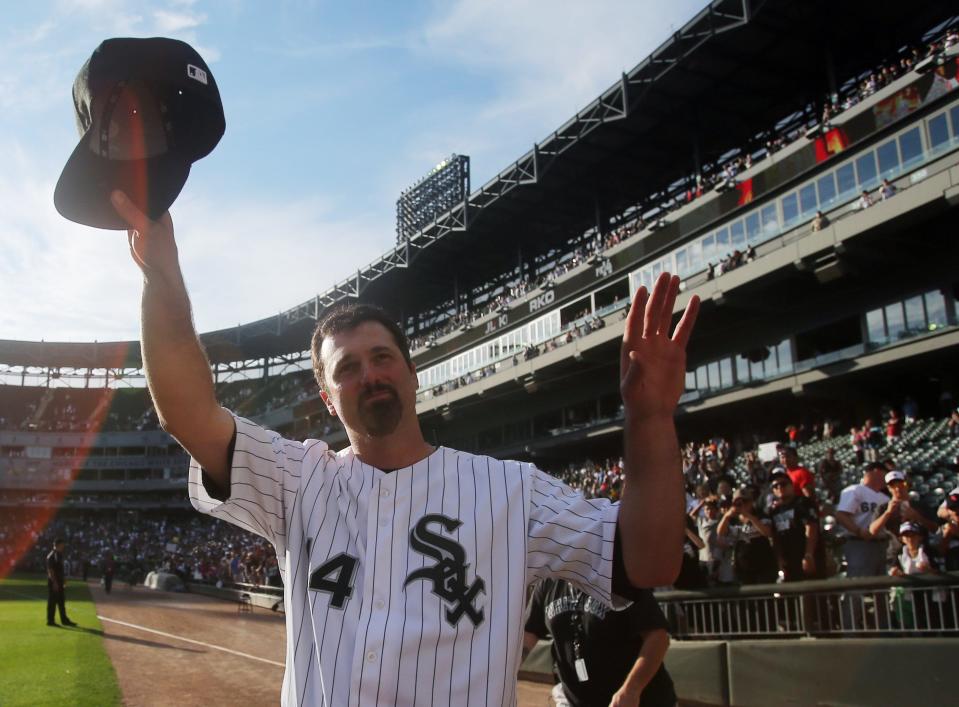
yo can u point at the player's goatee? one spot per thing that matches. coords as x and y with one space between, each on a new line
380 416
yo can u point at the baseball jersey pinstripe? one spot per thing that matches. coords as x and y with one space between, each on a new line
408 587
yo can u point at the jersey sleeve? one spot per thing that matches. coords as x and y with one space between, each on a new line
571 537
848 500
264 476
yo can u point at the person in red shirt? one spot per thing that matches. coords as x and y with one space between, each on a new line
893 427
803 480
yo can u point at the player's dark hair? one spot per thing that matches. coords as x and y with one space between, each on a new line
346 318
57 541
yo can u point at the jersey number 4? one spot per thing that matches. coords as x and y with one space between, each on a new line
335 576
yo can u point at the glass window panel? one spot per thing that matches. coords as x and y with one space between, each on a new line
807 201
910 145
696 256
785 352
709 249
690 380
682 264
866 171
770 365
875 327
722 242
742 369
702 382
827 190
888 160
726 373
895 322
770 221
713 370
756 370
846 180
752 229
938 132
657 268
790 209
738 234
954 115
915 315
935 309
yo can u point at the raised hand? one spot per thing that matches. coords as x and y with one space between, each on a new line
653 363
152 245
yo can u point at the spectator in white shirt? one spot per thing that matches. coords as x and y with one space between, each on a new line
865 201
865 553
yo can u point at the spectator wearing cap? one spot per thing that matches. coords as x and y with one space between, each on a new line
795 521
913 609
748 533
865 553
803 481
913 559
889 517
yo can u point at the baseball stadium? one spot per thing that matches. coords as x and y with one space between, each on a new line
796 166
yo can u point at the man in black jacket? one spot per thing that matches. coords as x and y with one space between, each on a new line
603 657
56 591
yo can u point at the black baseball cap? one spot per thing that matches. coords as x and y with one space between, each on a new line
146 109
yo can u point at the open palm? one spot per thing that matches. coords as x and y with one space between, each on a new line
653 363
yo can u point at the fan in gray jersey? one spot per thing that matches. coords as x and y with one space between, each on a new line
404 565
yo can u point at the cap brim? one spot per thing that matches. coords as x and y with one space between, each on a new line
83 191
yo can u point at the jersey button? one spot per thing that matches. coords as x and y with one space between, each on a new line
385 493
371 656
379 604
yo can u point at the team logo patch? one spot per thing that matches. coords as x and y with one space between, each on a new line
448 575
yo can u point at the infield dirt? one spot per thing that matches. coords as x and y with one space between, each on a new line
173 649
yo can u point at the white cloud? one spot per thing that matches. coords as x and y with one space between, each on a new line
243 259
167 22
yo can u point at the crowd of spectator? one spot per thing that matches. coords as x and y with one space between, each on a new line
719 173
194 547
583 325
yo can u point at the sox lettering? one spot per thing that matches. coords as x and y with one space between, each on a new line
448 575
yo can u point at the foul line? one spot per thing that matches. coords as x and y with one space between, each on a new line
190 640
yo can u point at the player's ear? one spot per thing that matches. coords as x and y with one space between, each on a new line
328 403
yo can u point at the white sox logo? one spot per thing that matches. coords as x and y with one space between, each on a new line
448 575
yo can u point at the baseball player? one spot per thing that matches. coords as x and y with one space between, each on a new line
405 566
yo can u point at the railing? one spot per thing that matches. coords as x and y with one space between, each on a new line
926 605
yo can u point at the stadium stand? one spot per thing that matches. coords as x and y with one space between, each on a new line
736 156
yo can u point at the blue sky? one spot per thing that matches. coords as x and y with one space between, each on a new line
332 108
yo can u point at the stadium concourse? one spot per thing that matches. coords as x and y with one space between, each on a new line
802 179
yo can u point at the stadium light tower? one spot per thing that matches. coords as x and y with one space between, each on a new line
446 186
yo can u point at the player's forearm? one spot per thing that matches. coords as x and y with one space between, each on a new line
176 367
651 656
651 518
845 519
178 374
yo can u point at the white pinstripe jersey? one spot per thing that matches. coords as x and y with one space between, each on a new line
408 587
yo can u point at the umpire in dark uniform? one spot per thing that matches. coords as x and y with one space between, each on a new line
56 589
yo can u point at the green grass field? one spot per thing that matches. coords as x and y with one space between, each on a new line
42 665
